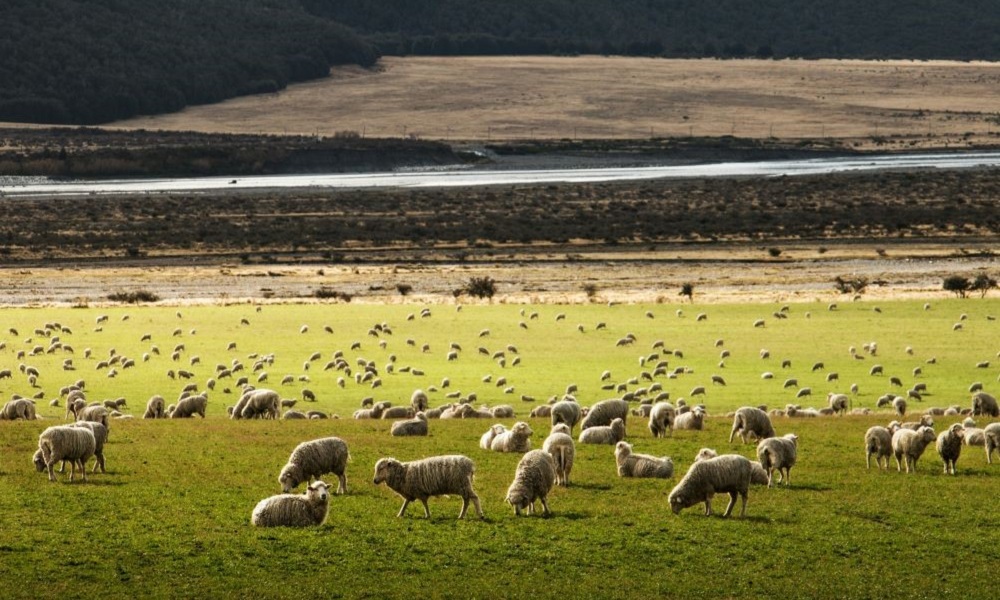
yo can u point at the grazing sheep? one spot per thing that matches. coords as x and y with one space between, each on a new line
566 411
18 408
878 442
419 401
899 405
604 434
415 426
294 510
949 446
984 404
155 408
641 465
991 435
604 412
758 476
434 476
778 453
661 419
838 402
313 459
750 420
533 480
75 444
908 445
189 407
730 473
563 450
514 440
260 403
692 419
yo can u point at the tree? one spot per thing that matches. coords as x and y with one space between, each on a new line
982 284
957 284
847 286
481 287
687 289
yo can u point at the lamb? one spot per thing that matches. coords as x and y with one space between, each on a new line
604 412
750 420
778 453
258 403
486 441
75 444
729 473
533 480
415 426
190 406
641 465
984 404
878 442
514 440
604 434
908 445
155 408
294 510
563 450
419 401
949 446
758 476
991 434
434 476
693 419
314 458
661 419
838 402
566 411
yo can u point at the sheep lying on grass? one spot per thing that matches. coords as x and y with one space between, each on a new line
563 450
486 440
415 426
878 442
517 439
533 480
908 445
751 421
294 510
730 473
434 476
641 465
949 446
604 434
75 444
693 419
778 453
313 459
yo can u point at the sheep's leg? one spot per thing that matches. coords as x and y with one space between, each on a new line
899 467
708 505
83 469
475 503
868 459
406 502
732 502
732 434
461 513
427 509
50 467
342 488
743 508
545 507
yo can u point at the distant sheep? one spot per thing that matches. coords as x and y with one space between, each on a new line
778 453
155 408
661 419
313 459
899 405
375 412
751 421
415 426
604 412
260 403
533 480
294 510
730 473
839 403
75 444
563 450
566 411
878 442
189 407
398 412
517 439
434 476
641 465
486 440
909 445
604 434
984 404
542 410
949 446
419 401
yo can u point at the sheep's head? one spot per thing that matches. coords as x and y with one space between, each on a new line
518 500
522 428
794 438
39 461
560 428
958 430
678 501
318 490
383 468
927 434
288 478
622 449
705 454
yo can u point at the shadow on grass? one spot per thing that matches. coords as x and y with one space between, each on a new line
591 486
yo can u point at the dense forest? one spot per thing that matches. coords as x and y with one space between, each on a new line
918 29
72 61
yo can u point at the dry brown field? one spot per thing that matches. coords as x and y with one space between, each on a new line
897 103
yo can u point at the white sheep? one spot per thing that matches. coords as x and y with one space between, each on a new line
984 404
604 434
294 510
75 444
533 480
758 476
730 473
949 446
398 412
313 459
604 412
516 439
18 408
563 450
693 419
778 453
419 401
661 419
908 445
899 404
415 426
991 435
189 407
100 438
751 421
486 440
434 476
155 408
566 411
838 402
878 442
641 465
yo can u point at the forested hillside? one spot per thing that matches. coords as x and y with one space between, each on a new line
919 29
72 61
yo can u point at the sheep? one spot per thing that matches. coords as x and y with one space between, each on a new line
95 413
899 404
661 419
604 412
758 476
878 442
984 404
433 476
563 450
75 444
504 411
693 419
155 408
398 412
100 438
925 421
514 440
313 459
778 453
294 510
604 434
189 407
419 401
566 411
262 403
415 426
375 412
838 402
949 446
543 410
750 420
486 440
908 445
533 480
293 414
18 408
729 473
991 435
641 465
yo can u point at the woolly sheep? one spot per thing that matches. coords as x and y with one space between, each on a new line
95 413
100 438
533 480
949 446
729 473
838 402
563 450
259 403
984 404
778 453
991 435
294 414
641 465
419 401
661 419
313 459
294 510
543 410
75 444
19 408
693 419
908 445
604 412
604 434
189 407
155 408
514 440
899 404
415 426
750 420
398 412
375 412
758 476
925 421
434 476
878 442
486 440
566 411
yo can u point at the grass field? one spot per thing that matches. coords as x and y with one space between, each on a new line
171 517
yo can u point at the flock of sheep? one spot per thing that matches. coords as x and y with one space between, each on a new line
539 470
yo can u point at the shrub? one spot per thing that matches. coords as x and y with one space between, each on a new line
982 284
850 286
133 297
325 293
687 289
957 285
404 288
481 287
